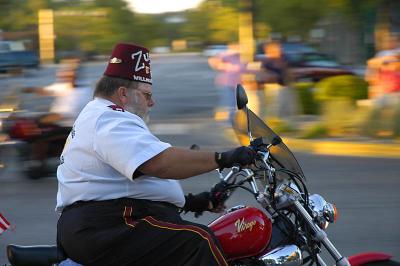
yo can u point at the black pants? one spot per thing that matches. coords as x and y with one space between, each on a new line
134 232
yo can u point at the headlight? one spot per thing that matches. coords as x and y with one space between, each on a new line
323 211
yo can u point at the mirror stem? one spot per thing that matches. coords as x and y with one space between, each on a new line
248 125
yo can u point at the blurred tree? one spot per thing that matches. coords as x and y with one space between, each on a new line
372 21
197 19
223 25
289 18
83 32
212 22
18 15
89 33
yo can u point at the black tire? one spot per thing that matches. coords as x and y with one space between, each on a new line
9 158
39 168
35 173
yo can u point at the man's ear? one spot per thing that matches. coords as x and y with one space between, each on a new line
122 93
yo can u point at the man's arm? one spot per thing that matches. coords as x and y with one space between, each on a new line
178 163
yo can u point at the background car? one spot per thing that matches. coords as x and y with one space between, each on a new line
14 56
304 62
315 66
213 50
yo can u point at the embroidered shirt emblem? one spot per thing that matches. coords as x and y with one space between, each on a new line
116 108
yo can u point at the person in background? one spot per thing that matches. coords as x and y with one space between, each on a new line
229 70
277 67
69 97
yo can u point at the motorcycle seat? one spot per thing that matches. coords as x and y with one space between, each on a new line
34 255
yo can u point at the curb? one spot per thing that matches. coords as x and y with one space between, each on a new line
337 148
344 148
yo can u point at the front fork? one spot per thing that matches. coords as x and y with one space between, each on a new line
321 237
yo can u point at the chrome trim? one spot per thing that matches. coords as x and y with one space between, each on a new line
320 235
235 208
289 255
321 261
323 211
287 192
234 170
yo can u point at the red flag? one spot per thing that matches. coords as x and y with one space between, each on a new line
4 224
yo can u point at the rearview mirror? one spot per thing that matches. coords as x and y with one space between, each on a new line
241 97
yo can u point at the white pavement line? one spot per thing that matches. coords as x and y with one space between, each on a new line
170 129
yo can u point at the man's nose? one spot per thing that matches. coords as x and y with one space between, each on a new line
152 102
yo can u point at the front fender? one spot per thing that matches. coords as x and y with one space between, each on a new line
362 258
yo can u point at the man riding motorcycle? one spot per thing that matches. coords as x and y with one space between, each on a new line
118 191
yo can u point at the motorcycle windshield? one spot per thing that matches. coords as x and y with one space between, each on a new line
281 156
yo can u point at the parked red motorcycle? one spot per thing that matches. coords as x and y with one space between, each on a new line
288 229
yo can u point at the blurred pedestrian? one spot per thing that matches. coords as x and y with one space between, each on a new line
229 70
69 98
117 183
276 65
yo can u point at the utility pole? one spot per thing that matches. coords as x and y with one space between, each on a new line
246 39
46 35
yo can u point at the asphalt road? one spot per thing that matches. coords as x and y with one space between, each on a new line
365 190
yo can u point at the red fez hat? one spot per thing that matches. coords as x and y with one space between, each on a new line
129 61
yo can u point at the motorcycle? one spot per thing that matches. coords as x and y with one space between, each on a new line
288 229
40 141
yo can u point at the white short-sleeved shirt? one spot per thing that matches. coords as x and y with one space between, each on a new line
103 150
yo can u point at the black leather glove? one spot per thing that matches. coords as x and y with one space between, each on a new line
219 194
242 156
197 203
207 201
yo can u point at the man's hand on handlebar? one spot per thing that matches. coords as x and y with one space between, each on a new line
243 156
218 195
213 201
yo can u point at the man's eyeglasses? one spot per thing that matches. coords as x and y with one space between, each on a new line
147 94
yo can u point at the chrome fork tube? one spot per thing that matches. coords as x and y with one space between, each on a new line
321 261
321 236
253 184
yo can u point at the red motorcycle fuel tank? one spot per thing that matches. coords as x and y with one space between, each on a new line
243 232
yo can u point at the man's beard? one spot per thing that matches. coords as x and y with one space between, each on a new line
146 117
137 108
141 113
